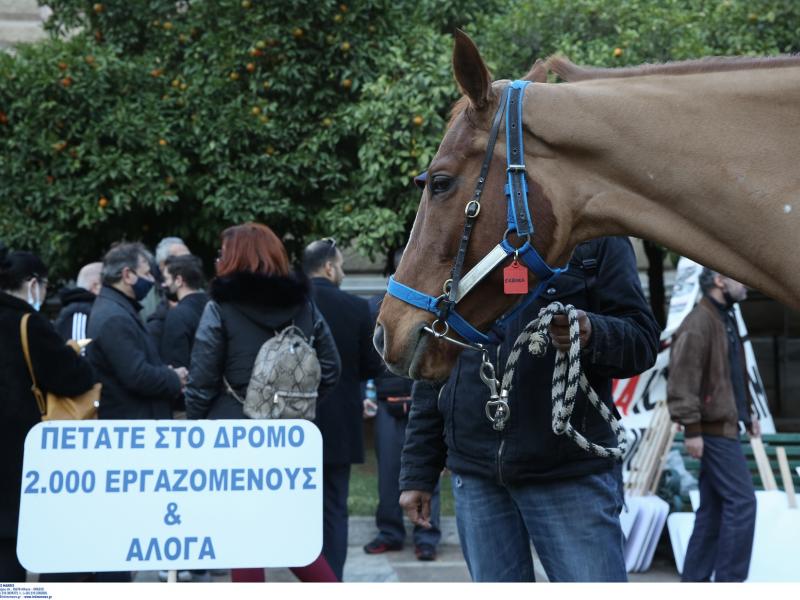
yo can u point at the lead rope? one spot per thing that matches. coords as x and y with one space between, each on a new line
567 376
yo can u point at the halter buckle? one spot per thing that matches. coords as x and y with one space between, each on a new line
472 209
515 168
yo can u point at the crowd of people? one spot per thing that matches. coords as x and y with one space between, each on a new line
164 344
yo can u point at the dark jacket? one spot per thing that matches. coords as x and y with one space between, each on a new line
136 382
180 326
57 368
247 309
155 321
341 419
453 427
72 321
699 389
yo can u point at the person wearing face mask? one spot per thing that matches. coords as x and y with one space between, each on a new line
137 384
57 368
709 395
183 285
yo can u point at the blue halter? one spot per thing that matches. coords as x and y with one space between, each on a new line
519 222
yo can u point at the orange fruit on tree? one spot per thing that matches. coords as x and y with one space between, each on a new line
298 32
264 119
176 83
98 8
347 83
102 202
343 7
184 87
167 25
246 4
162 142
234 76
251 67
327 122
266 85
156 72
345 46
89 59
261 44
255 111
3 118
338 18
617 52
63 66
66 82
418 120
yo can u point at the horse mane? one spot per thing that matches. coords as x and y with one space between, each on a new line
566 70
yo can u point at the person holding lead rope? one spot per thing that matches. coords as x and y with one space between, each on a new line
533 459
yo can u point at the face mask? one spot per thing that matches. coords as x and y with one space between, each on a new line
141 288
36 304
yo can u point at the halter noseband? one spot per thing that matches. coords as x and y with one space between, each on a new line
519 222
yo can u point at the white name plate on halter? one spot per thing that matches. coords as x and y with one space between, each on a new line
149 495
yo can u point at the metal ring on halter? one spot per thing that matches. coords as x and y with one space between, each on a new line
526 238
446 286
440 334
472 203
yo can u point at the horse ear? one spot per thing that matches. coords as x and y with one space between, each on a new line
470 71
538 72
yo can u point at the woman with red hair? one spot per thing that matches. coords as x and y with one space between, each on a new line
254 295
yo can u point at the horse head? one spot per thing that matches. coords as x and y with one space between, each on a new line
435 238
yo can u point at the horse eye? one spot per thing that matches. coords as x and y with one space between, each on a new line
440 184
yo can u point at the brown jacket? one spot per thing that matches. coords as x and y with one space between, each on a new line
699 390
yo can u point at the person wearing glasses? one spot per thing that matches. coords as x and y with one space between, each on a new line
56 367
340 418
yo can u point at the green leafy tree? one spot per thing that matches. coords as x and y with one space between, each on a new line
144 118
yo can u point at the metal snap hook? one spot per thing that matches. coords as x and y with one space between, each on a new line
446 286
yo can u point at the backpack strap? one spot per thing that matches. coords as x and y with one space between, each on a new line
586 258
37 392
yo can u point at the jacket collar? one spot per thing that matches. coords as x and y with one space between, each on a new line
114 295
266 291
323 282
14 303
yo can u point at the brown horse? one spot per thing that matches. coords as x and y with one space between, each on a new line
699 156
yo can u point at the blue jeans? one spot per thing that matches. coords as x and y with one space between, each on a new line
390 433
573 523
722 539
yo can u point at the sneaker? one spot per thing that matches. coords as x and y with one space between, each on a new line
425 552
379 546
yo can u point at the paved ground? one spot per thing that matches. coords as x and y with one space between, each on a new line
404 567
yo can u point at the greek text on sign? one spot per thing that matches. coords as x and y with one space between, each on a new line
146 495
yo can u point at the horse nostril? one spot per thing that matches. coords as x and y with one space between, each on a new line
378 340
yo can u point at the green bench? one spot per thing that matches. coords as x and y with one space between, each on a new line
790 441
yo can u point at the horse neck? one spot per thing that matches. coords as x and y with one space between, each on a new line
703 164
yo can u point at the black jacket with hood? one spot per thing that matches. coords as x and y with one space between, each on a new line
246 309
76 304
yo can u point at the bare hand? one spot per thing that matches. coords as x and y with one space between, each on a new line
182 373
559 330
694 446
370 409
417 505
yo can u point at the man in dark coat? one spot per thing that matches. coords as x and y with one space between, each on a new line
708 393
76 303
183 283
136 383
524 483
340 416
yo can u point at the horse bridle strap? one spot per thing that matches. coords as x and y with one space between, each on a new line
519 222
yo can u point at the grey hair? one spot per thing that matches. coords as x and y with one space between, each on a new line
88 274
706 280
119 257
162 250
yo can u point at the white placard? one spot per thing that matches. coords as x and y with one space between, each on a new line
147 495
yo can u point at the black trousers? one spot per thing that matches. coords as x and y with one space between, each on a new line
722 539
335 489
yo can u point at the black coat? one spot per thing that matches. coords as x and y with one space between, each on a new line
247 309
136 382
452 428
341 418
72 320
180 326
57 368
